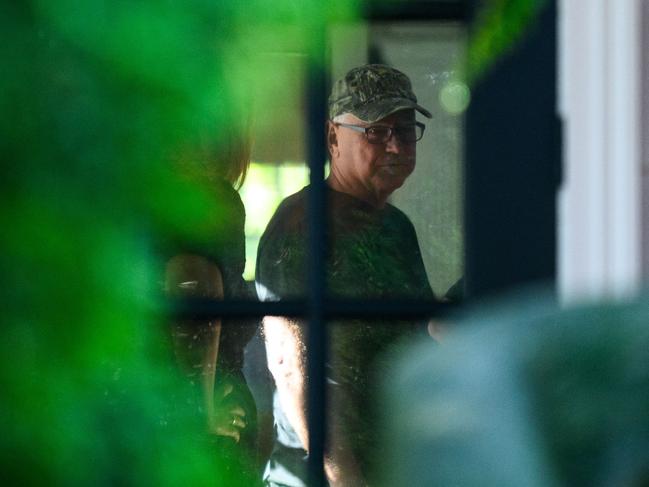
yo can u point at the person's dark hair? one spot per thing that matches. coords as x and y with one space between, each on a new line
218 153
234 152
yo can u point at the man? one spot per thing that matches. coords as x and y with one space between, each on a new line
372 253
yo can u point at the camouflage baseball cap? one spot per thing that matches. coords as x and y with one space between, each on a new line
373 92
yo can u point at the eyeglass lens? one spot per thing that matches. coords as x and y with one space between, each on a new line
405 133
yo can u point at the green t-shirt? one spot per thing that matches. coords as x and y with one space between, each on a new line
371 254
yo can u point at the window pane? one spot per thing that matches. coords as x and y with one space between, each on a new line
360 359
224 360
276 238
406 248
430 54
276 243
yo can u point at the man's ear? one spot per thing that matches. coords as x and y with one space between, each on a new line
332 139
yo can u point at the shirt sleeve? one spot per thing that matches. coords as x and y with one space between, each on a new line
281 263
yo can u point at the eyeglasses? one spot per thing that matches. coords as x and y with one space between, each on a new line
380 134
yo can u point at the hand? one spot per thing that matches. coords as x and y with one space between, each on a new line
228 418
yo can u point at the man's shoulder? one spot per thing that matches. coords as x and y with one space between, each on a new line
394 212
281 252
287 223
397 220
292 209
290 214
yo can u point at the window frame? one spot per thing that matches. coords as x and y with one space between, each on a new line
317 308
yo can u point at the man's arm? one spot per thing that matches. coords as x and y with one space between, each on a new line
286 351
286 356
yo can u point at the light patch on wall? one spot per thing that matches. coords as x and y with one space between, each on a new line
455 97
265 187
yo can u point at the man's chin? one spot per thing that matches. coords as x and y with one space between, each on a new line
393 183
397 170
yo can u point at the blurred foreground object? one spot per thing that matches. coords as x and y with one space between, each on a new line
97 101
525 395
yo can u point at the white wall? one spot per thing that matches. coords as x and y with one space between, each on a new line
645 138
600 204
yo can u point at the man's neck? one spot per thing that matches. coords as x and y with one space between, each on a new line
337 184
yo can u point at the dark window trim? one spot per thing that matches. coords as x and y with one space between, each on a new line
416 10
316 103
202 309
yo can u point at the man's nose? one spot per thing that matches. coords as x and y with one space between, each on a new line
394 144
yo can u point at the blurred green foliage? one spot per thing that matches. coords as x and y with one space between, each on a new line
498 26
96 98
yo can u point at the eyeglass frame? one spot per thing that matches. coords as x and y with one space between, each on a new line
363 129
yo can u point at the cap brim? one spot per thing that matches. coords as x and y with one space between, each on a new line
382 108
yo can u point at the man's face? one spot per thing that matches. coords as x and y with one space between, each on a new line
377 169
